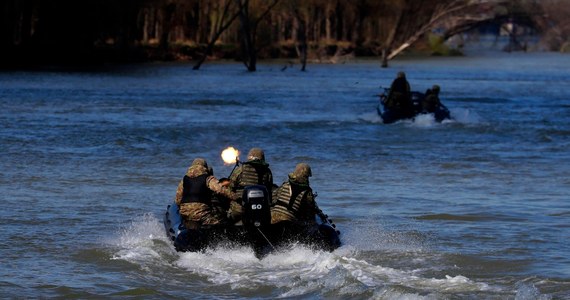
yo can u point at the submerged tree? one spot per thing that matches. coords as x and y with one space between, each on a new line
250 18
299 30
224 14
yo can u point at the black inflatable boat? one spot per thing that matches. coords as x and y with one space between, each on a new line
393 115
254 230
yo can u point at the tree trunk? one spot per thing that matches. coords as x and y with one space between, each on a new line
168 12
328 25
390 39
219 27
385 58
302 46
301 35
248 47
203 58
249 32
411 35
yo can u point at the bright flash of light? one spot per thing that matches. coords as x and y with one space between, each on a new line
230 155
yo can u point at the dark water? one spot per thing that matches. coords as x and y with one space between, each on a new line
473 208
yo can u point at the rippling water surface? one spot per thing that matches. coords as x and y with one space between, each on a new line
472 208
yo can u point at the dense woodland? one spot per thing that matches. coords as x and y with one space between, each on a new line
36 32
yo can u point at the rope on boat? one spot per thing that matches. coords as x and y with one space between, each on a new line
263 235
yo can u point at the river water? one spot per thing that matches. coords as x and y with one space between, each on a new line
472 208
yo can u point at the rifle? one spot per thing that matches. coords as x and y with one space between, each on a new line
324 217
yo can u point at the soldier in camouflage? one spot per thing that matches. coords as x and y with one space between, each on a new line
294 200
400 95
431 102
221 204
194 195
254 171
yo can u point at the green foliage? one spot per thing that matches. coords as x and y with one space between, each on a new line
438 47
565 48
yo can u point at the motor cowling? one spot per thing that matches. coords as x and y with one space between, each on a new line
257 212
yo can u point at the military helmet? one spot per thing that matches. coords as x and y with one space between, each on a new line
256 154
401 75
302 170
200 162
435 87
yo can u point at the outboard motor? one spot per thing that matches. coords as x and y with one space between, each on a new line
257 219
256 206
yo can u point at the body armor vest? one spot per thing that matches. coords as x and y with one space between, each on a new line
196 190
289 199
253 174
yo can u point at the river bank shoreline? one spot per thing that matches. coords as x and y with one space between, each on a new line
70 58
66 56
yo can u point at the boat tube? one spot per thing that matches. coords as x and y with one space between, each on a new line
392 115
255 229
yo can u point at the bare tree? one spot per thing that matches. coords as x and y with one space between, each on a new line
141 29
168 11
300 16
249 22
416 18
551 18
226 13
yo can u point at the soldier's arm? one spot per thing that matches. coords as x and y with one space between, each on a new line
311 202
309 210
215 186
234 178
179 191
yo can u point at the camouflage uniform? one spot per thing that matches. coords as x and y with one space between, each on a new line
294 200
221 204
194 195
400 95
431 102
254 171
